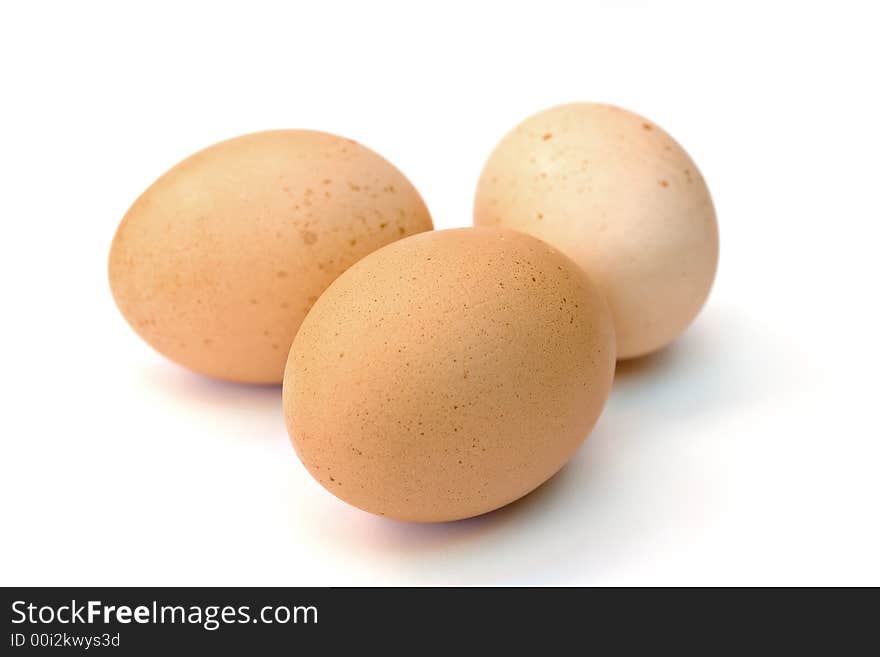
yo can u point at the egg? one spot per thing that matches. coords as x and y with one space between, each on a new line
619 196
448 374
218 262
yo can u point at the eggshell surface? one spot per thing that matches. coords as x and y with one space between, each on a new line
218 262
619 196
448 374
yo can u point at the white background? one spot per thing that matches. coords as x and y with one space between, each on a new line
745 454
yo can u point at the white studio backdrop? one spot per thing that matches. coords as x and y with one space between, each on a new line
747 453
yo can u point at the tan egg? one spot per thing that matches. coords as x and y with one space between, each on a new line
448 374
218 262
623 200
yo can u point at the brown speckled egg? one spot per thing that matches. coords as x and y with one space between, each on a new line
620 197
448 374
218 262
